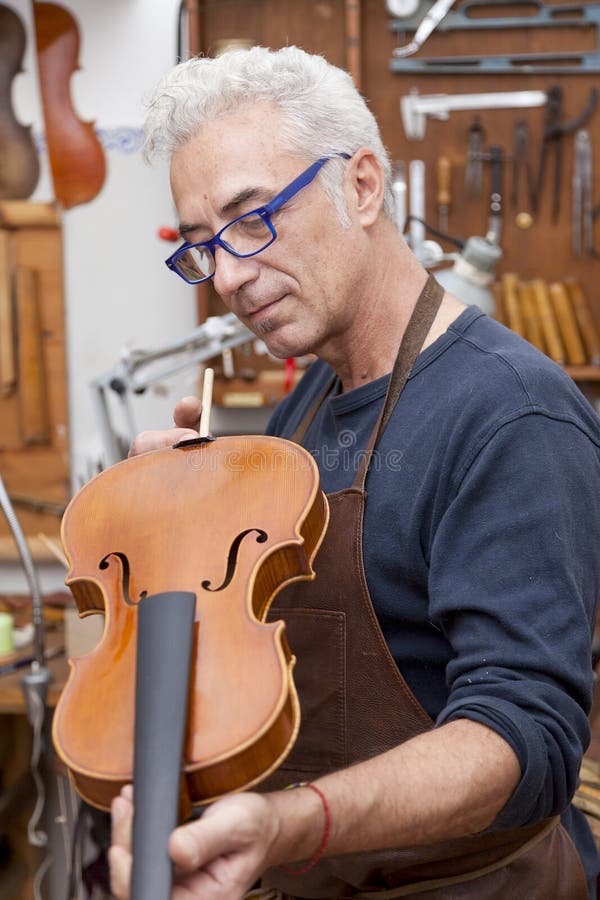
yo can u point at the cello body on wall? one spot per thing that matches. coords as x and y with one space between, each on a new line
19 163
77 161
230 520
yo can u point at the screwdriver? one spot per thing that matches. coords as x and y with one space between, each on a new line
443 173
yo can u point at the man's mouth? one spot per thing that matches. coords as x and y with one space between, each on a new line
264 311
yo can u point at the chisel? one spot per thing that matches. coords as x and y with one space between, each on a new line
586 323
443 173
567 323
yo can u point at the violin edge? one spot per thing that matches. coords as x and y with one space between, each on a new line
239 772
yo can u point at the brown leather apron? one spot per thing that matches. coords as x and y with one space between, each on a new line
356 704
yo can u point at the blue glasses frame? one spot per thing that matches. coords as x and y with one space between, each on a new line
265 213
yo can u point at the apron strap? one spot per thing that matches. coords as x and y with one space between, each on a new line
418 327
412 341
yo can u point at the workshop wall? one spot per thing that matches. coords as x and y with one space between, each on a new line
544 49
116 290
544 249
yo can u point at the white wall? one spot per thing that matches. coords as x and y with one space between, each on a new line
117 290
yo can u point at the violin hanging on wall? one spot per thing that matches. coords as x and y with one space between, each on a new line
19 163
77 161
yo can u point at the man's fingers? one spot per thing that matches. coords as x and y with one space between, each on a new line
199 843
184 848
235 827
187 413
122 820
120 872
119 855
158 440
186 416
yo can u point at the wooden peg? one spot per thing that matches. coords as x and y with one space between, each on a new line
207 392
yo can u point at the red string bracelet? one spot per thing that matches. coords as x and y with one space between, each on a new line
321 849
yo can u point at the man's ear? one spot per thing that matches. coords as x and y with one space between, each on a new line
367 182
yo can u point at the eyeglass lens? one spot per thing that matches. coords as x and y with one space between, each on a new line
247 236
195 262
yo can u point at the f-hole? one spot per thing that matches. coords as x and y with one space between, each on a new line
125 577
232 557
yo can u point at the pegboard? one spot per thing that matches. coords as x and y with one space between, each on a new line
544 250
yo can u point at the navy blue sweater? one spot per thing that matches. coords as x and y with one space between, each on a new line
481 543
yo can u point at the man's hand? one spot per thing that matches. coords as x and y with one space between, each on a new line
217 857
186 417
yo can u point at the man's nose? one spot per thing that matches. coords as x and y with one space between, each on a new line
232 272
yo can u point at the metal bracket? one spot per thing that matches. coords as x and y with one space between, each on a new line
577 15
216 334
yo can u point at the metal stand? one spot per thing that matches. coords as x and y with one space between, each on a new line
217 334
35 683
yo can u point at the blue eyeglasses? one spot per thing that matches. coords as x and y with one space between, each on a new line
243 237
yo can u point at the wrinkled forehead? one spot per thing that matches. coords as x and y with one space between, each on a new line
234 161
231 153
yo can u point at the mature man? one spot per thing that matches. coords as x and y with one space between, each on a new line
444 648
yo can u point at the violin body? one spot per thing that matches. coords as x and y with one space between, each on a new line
76 156
19 163
232 520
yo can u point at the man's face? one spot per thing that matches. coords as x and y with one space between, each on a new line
297 294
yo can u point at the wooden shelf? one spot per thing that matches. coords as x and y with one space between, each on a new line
583 373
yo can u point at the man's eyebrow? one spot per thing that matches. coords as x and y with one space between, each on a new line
254 193
184 228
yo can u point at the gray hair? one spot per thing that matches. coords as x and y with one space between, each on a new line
322 110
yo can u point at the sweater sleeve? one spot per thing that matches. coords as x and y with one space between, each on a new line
514 580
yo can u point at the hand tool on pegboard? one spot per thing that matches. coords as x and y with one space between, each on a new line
474 166
415 108
496 159
582 225
426 26
399 190
521 165
471 17
416 194
555 128
443 172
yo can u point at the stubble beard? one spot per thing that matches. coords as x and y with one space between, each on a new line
269 326
265 326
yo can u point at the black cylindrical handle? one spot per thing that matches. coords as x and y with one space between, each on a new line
164 652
